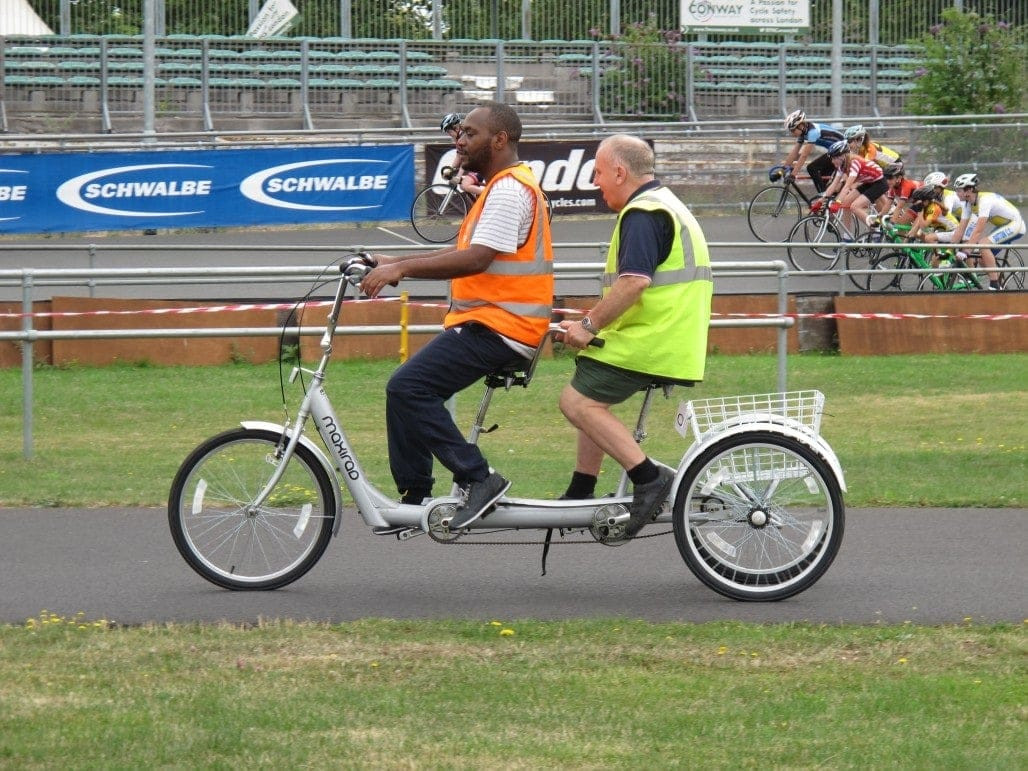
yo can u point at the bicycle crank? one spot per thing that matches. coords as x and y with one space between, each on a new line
609 523
439 523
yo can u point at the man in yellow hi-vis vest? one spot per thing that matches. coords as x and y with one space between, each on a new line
653 318
502 296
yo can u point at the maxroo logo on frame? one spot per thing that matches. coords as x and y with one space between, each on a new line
137 191
316 186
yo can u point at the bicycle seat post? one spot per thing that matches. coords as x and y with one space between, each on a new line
640 425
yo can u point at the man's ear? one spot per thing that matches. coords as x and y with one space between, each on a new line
500 140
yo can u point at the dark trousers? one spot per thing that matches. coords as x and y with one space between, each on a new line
820 168
418 424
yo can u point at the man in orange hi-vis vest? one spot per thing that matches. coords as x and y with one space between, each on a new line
501 272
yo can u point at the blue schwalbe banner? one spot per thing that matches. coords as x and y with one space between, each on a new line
76 192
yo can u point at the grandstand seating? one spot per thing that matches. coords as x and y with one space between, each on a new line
396 80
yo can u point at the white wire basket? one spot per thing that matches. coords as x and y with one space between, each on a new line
798 409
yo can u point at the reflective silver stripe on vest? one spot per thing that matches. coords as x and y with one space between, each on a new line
671 206
518 268
518 309
669 277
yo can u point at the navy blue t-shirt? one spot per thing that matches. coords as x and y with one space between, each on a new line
646 238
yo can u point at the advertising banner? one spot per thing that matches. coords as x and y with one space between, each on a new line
76 192
745 15
565 170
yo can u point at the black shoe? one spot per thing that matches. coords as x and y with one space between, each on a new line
481 496
647 500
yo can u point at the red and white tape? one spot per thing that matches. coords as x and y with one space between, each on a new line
577 311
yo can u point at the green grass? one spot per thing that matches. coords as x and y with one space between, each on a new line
525 695
942 430
592 694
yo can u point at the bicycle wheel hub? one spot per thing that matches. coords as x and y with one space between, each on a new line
758 518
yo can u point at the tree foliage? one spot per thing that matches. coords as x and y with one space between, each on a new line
971 64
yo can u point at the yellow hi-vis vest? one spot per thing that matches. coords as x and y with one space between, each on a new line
514 295
664 333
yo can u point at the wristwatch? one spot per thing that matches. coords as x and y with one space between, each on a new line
587 325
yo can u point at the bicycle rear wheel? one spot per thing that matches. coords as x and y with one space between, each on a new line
772 213
824 253
437 213
227 540
759 516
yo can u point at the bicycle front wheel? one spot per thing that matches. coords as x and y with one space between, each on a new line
231 542
759 516
885 279
438 212
823 254
772 213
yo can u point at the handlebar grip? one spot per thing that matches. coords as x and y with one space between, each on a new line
597 342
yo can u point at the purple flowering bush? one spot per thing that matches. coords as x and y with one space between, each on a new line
972 65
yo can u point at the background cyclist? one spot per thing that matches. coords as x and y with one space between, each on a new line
468 181
899 192
949 198
857 183
934 224
979 211
808 135
860 143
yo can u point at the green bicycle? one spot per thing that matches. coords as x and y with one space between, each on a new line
910 257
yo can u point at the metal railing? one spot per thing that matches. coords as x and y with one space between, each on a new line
30 279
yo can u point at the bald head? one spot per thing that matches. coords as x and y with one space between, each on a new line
623 164
633 153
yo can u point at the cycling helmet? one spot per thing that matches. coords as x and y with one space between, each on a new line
966 180
936 178
924 193
855 132
796 117
893 170
451 121
839 148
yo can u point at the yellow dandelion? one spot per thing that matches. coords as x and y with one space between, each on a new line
495 623
506 632
902 661
722 650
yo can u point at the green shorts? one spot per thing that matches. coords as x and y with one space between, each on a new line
604 383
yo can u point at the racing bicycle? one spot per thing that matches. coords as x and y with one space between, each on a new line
756 506
439 209
817 242
774 209
953 272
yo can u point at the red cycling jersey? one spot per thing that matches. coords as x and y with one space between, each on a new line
864 170
903 192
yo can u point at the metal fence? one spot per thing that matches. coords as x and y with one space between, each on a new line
97 83
891 22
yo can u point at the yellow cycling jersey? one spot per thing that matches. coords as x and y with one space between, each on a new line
880 154
937 218
994 207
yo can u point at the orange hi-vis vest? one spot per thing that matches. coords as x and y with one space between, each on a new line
514 295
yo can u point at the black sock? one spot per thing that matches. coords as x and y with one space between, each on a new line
644 473
582 486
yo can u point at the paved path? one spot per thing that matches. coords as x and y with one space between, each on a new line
926 566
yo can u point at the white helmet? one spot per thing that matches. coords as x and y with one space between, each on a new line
936 179
966 180
796 117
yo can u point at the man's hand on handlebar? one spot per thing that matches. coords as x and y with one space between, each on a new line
575 335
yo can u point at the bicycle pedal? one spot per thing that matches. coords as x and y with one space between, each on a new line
410 532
